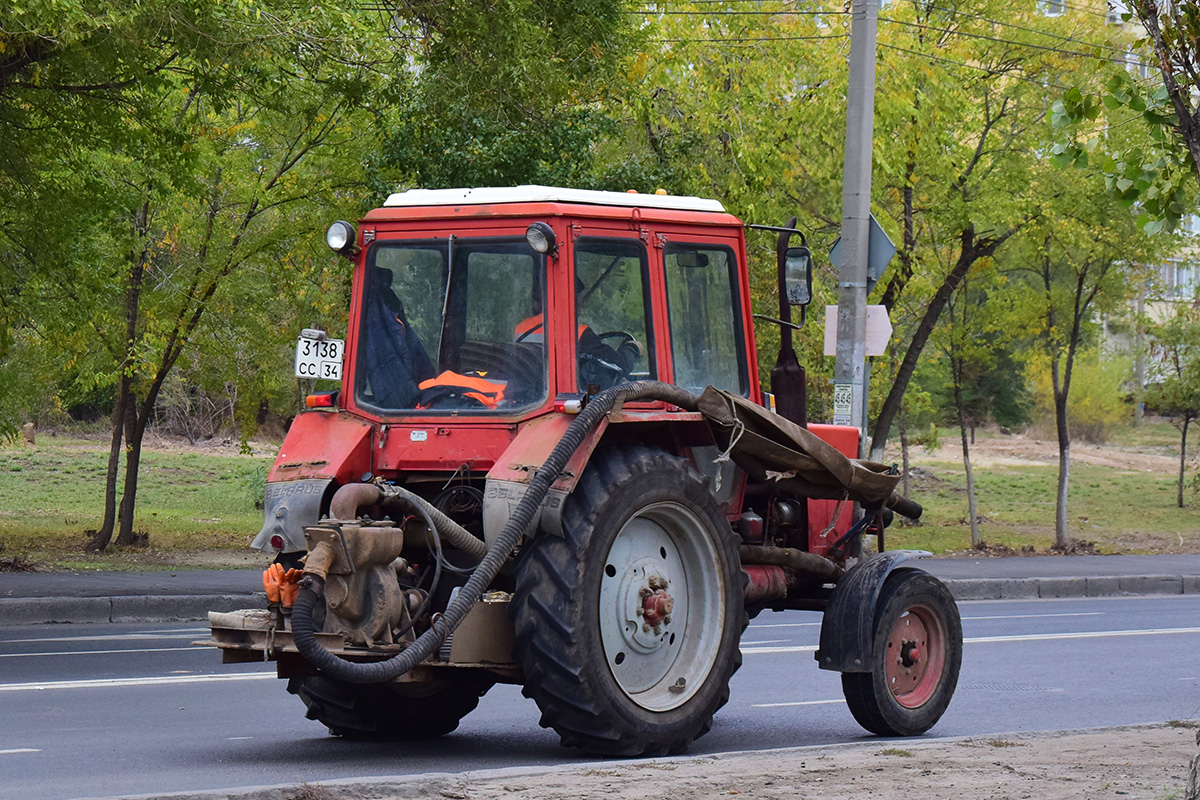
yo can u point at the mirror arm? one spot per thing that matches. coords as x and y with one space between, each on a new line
790 325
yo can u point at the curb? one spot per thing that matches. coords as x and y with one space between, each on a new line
1095 586
164 608
135 608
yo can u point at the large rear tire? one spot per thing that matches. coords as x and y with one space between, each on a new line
389 711
916 658
627 626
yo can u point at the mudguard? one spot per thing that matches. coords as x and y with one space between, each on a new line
289 508
848 626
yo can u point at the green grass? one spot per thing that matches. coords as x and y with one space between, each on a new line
1152 436
1123 511
187 501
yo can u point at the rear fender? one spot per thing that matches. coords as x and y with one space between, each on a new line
848 626
510 478
322 450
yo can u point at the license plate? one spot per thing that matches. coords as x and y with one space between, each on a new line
320 359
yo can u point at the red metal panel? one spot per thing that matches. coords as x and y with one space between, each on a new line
821 512
321 444
440 446
532 446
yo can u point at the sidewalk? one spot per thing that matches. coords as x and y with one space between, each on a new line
35 598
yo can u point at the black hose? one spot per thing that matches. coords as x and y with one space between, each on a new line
449 530
304 632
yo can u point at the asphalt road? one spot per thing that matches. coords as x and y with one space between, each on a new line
93 711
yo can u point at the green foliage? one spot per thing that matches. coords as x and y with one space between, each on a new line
1152 168
507 94
1097 400
1174 389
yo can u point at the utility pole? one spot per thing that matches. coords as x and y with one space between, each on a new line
849 371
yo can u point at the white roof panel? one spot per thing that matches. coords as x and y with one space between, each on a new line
546 194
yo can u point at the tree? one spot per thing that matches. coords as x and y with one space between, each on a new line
1176 392
1173 30
1078 266
967 349
192 161
1155 177
508 93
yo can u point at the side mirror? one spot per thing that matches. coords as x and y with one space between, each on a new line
797 271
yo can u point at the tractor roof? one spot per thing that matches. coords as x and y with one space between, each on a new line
546 194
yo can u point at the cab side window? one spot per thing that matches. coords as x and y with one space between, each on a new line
704 313
612 313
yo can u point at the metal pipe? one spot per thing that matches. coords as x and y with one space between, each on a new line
799 560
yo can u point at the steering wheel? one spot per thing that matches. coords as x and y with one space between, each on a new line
622 335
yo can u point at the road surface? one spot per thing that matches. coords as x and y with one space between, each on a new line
122 709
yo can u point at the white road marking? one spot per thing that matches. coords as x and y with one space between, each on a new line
102 652
1025 637
1041 637
16 750
755 626
767 641
110 683
115 637
1039 616
798 703
804 648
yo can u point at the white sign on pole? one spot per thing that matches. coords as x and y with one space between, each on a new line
879 330
843 403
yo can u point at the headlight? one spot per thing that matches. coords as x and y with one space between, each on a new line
540 237
340 236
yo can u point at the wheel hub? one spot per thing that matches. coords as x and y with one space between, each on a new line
915 656
660 574
657 606
645 606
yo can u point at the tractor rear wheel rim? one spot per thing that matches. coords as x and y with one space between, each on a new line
661 660
915 656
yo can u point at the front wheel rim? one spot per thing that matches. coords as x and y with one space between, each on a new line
661 606
915 656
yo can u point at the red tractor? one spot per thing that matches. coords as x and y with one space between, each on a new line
551 463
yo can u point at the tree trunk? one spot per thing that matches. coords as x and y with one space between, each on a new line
1061 536
133 458
1183 456
971 250
139 418
956 371
902 424
103 536
123 404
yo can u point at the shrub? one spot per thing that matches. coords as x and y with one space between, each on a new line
1096 399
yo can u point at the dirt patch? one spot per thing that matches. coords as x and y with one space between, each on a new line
1147 762
1020 450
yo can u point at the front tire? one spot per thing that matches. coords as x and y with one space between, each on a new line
406 711
627 627
916 658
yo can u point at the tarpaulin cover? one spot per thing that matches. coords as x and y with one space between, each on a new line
779 452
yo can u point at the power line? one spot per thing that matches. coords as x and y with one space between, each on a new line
752 39
1015 26
955 32
1031 45
972 66
782 13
